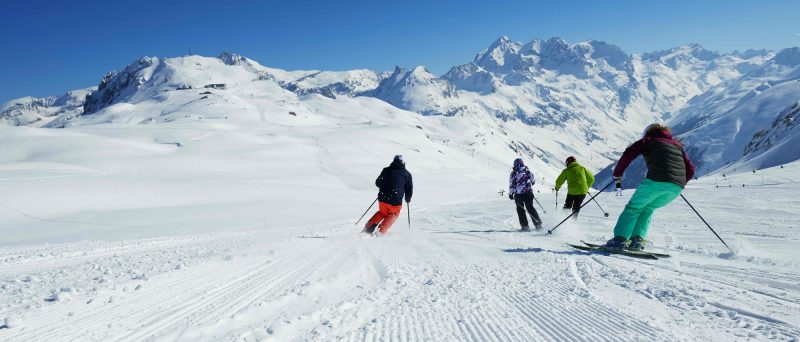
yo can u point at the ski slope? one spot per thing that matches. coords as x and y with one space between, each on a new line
460 272
177 211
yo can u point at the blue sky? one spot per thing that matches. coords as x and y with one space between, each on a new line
50 47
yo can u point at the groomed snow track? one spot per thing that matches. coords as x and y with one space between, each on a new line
461 274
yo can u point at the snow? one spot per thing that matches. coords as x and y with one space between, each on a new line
12 322
172 211
228 218
460 273
36 112
722 122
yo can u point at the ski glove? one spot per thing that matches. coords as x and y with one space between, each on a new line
510 196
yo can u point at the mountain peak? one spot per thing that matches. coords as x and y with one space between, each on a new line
557 41
788 57
556 52
612 54
501 54
554 44
420 70
691 50
417 73
233 58
418 90
501 40
750 53
702 53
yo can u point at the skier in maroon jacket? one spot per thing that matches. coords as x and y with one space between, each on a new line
668 171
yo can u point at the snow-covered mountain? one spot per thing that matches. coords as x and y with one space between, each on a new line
587 86
31 111
419 91
615 83
600 96
675 76
545 99
184 90
333 83
778 143
734 123
326 83
721 123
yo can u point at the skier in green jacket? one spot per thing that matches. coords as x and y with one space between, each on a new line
579 180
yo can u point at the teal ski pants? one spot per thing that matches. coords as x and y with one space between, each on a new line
649 196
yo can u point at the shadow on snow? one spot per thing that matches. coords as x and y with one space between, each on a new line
540 250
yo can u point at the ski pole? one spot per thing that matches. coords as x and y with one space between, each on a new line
601 208
582 205
537 201
521 207
556 200
365 212
408 211
540 205
704 221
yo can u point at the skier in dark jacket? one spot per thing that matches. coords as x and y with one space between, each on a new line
393 183
520 189
668 171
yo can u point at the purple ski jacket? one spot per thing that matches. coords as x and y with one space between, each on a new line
521 180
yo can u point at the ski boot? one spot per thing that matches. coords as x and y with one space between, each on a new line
617 243
637 244
369 229
575 214
525 229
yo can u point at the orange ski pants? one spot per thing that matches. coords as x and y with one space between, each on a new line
385 216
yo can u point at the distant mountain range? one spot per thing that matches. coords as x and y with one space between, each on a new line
544 99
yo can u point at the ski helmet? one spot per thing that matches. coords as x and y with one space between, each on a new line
570 159
655 127
399 158
518 163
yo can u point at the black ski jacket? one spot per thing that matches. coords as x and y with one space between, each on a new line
394 182
666 160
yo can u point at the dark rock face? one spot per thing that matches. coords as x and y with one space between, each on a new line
116 84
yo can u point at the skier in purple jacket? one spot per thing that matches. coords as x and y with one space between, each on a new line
520 189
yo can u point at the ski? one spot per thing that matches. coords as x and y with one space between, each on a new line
634 254
613 251
660 255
